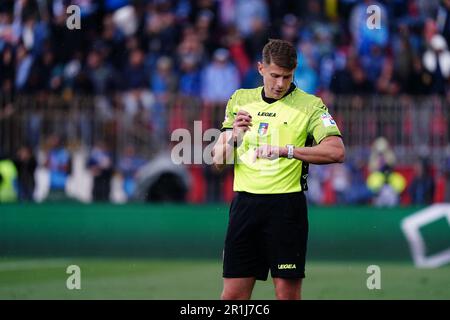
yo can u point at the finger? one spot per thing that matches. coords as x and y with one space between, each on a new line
264 151
244 119
273 152
243 126
248 120
269 152
244 113
255 155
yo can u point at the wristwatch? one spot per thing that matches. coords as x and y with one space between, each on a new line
290 151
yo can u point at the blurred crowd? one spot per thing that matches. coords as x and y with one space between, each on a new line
379 179
380 182
147 49
142 56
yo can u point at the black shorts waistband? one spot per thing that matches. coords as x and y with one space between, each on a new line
269 195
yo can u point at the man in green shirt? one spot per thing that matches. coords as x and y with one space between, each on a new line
268 135
8 175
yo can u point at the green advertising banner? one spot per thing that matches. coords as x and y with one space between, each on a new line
191 231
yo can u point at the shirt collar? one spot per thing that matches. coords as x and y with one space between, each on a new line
272 100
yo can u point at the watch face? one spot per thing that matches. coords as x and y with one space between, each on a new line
290 151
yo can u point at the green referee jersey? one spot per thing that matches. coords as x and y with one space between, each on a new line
298 118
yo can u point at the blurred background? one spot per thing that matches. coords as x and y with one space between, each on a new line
86 116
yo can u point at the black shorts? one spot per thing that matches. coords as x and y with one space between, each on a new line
266 231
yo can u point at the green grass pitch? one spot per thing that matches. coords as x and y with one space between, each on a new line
45 278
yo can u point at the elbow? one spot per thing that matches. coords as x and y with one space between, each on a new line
217 163
218 166
339 155
215 160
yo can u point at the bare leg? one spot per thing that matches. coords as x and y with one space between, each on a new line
237 288
287 289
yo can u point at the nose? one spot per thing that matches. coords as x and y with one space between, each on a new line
280 82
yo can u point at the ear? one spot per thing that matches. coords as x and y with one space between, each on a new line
260 68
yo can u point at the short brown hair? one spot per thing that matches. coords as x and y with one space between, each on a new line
280 52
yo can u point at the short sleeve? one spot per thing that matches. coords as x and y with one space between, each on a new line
230 113
321 123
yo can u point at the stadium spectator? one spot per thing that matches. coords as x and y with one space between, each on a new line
252 78
306 76
381 155
126 21
422 186
363 37
340 181
247 11
290 28
256 40
8 175
220 78
129 164
24 62
436 61
204 28
443 19
26 165
163 82
350 79
190 45
7 71
387 82
341 81
102 76
407 60
374 62
358 192
137 96
190 76
100 163
446 174
387 186
58 162
235 43
41 72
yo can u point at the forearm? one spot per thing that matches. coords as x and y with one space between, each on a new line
324 153
223 151
318 155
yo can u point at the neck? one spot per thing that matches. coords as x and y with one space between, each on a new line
272 100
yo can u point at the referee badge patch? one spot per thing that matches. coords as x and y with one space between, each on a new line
327 120
262 130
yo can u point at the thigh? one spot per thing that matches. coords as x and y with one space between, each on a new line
243 253
286 238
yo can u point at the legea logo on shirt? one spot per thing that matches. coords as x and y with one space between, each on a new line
262 130
267 114
327 120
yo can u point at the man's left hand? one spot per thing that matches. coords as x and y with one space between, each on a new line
268 152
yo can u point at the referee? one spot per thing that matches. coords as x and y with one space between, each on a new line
268 135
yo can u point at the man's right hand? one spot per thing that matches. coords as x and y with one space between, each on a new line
223 149
241 124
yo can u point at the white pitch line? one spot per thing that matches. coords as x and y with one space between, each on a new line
33 264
